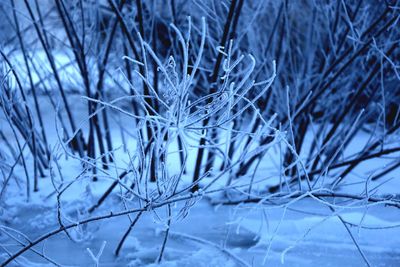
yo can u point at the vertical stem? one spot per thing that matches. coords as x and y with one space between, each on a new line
49 55
159 259
33 88
200 153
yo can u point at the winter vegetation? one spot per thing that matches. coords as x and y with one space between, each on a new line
199 133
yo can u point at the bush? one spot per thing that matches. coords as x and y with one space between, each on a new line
215 93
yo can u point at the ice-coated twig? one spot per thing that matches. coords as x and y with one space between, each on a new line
203 241
96 259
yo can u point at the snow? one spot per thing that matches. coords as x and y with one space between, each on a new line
201 238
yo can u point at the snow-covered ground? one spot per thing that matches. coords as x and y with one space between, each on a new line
305 234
